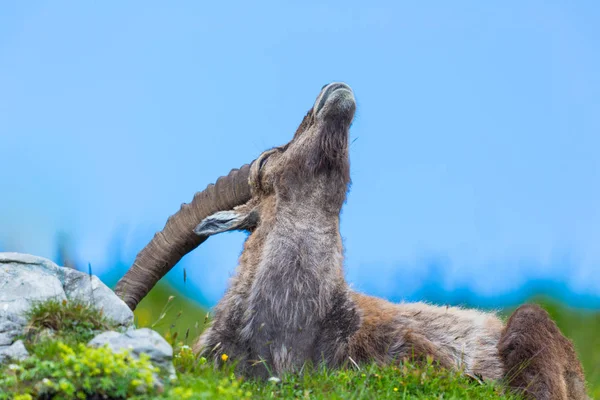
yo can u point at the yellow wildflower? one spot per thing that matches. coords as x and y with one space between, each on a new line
224 357
136 382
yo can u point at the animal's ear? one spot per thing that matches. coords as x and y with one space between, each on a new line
223 221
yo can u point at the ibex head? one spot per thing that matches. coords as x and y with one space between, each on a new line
311 172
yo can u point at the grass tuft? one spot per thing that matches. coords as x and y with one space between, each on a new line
73 320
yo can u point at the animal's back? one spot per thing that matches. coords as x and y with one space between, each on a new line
458 338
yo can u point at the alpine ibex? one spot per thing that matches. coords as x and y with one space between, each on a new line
289 303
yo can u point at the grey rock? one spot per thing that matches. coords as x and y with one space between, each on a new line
25 279
139 341
14 352
22 258
105 338
11 326
89 288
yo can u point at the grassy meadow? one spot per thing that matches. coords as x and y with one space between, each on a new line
62 367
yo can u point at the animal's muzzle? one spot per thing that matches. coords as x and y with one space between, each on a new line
334 91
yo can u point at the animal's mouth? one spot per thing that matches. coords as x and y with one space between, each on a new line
336 97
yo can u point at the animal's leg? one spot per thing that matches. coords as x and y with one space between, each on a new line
211 345
204 342
419 348
538 359
220 343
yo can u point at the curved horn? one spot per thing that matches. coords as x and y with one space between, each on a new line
177 238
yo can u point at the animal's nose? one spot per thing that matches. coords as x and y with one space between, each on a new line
328 91
332 87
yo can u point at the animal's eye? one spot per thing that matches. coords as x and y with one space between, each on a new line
267 154
263 161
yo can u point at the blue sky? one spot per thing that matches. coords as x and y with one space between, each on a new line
476 135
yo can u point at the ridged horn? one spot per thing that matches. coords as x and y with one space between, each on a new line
177 238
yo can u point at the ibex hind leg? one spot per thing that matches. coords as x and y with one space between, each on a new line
539 361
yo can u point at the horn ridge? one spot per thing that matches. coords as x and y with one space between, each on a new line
177 238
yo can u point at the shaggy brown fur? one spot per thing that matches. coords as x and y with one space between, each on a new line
538 359
289 303
456 338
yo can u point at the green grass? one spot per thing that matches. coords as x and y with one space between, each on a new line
55 360
405 381
73 320
78 372
171 314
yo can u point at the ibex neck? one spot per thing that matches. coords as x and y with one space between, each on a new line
307 195
301 265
